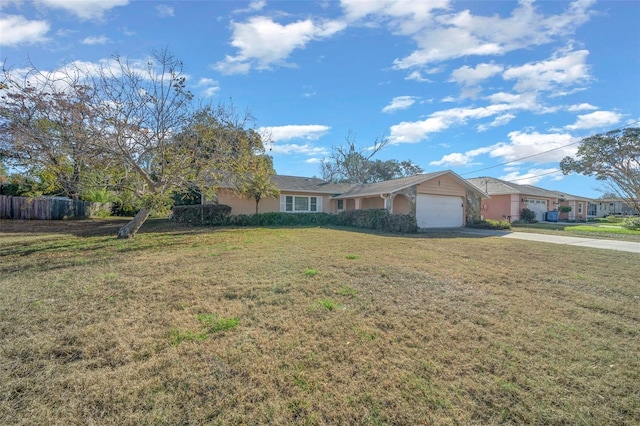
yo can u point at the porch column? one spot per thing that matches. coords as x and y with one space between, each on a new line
388 202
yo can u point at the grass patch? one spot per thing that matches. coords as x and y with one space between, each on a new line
310 272
439 328
214 323
347 291
352 256
327 304
597 230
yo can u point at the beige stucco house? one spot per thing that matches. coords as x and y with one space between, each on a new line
603 207
508 199
437 200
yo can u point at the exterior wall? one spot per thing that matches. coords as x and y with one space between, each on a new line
498 207
608 207
575 213
443 185
372 203
401 204
509 206
241 204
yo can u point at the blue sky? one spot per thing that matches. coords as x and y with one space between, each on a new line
460 85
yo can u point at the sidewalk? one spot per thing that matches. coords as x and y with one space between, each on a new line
628 246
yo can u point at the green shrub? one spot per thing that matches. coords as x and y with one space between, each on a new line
279 219
377 219
631 223
204 214
400 223
98 196
490 224
369 219
528 216
366 218
613 219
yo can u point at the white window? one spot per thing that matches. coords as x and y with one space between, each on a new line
300 204
580 208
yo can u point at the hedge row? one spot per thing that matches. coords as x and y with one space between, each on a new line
490 224
219 215
203 214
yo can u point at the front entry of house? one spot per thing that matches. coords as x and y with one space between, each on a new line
439 211
539 207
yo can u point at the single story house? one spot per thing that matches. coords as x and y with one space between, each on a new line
509 199
437 200
604 207
579 207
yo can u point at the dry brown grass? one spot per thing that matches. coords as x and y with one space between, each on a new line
432 329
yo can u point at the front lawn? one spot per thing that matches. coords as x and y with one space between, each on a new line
597 230
311 326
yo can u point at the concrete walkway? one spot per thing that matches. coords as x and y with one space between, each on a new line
628 246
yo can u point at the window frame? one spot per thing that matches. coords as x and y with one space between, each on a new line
312 203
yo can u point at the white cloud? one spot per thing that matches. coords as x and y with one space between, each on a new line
254 6
165 11
292 131
595 119
458 159
84 9
314 160
17 30
417 76
565 70
533 147
399 103
455 35
263 43
412 132
404 17
539 148
581 107
208 87
91 40
500 120
305 149
468 76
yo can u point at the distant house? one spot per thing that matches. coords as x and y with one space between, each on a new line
508 199
603 207
579 207
437 200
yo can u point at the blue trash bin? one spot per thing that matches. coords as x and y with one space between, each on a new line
551 216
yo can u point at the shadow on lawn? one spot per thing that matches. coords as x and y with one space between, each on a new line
92 227
110 226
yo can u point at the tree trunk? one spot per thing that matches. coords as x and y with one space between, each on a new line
131 228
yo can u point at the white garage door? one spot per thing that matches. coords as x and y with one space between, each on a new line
439 211
539 207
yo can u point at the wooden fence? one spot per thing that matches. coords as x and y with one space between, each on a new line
42 208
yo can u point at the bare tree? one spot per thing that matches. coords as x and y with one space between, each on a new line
348 164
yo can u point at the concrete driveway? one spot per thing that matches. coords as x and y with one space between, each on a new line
628 246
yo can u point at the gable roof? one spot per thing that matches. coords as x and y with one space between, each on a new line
306 184
569 197
495 186
395 185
